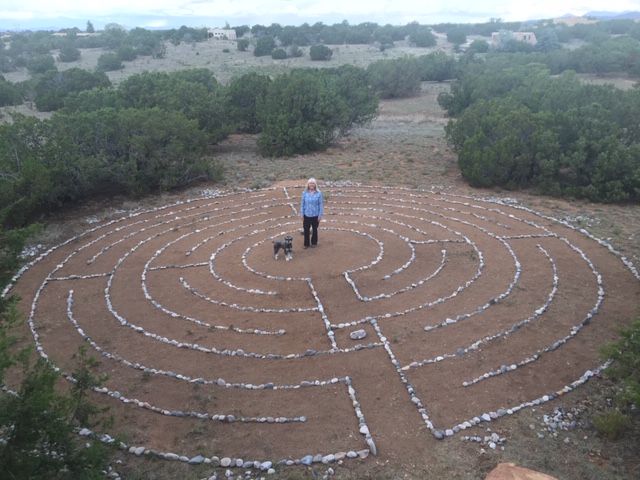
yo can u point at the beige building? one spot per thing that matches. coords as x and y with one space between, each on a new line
220 33
77 34
528 37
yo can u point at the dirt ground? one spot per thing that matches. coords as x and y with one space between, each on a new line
472 302
214 347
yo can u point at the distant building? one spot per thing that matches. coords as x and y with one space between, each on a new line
220 33
78 34
528 37
573 20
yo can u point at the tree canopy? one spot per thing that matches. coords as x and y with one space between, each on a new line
53 87
517 126
305 110
395 78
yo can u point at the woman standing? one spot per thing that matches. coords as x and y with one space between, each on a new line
311 209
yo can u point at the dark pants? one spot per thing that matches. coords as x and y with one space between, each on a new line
310 223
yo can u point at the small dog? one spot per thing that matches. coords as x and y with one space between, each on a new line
286 245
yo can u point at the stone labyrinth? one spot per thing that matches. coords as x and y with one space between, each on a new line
419 316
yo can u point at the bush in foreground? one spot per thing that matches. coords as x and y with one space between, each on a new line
625 353
320 52
38 423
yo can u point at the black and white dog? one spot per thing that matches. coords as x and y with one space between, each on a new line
286 245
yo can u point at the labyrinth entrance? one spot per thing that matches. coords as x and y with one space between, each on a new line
419 316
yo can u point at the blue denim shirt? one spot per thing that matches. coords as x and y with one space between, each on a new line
311 205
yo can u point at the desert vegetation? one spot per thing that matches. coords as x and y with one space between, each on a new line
520 117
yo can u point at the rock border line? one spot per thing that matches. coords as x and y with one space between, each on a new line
266 465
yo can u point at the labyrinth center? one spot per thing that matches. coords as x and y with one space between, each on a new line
419 316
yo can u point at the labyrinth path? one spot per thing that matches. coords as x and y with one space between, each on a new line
419 316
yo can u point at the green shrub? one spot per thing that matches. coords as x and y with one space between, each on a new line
242 93
39 419
69 54
456 36
279 54
7 64
243 44
610 423
41 64
625 353
479 46
53 87
264 46
437 66
320 52
9 93
295 51
395 78
109 62
423 37
305 111
127 53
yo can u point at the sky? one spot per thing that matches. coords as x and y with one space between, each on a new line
58 14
